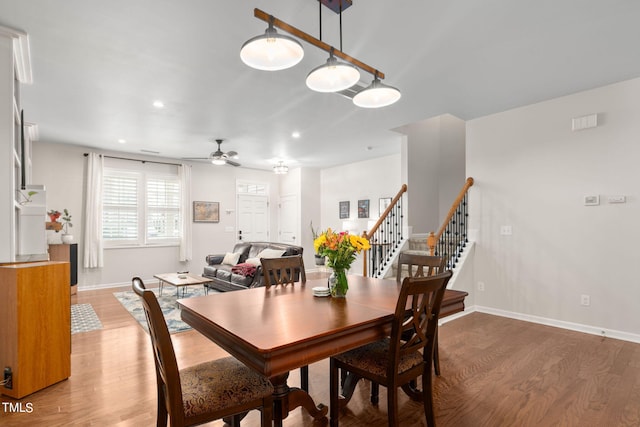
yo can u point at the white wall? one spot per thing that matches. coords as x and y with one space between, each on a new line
532 172
61 168
434 155
371 179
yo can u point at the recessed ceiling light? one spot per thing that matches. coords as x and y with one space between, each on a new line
296 134
122 141
158 104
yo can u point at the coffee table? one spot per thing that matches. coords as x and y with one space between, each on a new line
180 280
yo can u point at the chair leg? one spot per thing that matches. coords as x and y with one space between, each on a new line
392 406
375 393
334 399
427 398
266 413
436 354
304 378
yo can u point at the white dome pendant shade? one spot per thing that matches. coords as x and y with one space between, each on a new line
376 95
333 76
271 51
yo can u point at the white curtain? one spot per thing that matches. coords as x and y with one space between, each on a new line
93 213
186 240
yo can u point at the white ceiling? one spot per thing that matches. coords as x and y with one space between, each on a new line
98 66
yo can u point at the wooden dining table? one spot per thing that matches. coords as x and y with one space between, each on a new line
280 329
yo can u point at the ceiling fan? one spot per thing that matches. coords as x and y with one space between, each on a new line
219 157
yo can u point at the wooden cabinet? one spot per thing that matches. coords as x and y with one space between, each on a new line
35 325
68 253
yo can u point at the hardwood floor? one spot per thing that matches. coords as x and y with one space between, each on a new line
495 372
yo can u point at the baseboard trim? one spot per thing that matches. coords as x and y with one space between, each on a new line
578 327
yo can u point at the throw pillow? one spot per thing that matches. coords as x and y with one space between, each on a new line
253 261
271 253
231 258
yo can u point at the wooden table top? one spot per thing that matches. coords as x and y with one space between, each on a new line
279 329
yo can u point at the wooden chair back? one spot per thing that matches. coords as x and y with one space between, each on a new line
419 265
167 373
416 318
285 270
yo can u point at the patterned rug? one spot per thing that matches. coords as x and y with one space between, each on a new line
84 319
168 304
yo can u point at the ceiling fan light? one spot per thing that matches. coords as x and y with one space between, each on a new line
376 95
333 76
271 51
218 162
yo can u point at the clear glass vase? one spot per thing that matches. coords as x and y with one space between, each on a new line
338 283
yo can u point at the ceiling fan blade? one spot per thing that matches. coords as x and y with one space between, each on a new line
232 154
194 158
232 163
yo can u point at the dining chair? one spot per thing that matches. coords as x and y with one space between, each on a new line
422 265
392 361
283 271
223 388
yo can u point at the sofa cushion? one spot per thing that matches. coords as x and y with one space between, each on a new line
210 270
231 258
224 272
271 253
254 261
243 249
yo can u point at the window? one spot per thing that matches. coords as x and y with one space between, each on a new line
141 208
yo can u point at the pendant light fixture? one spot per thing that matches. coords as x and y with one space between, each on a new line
376 95
334 76
271 51
280 168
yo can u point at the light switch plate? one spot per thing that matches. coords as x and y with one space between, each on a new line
591 200
506 230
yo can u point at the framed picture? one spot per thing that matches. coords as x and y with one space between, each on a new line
363 208
206 211
344 210
383 204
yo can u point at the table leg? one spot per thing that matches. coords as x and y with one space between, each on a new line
160 282
287 398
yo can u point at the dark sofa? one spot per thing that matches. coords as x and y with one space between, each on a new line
225 280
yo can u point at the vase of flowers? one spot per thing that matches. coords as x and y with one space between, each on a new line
341 250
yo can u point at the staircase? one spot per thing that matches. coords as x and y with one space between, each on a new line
388 239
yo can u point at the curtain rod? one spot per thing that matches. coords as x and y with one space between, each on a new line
136 160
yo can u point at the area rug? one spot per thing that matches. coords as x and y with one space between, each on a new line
168 304
84 319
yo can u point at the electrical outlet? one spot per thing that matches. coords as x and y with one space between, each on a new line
585 300
506 230
481 286
8 378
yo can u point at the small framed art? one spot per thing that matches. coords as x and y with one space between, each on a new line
206 211
344 209
363 208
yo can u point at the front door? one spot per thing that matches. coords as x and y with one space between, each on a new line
253 218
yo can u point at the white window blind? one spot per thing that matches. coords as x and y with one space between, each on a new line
120 207
140 208
163 208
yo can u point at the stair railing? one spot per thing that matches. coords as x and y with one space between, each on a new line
385 237
452 236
